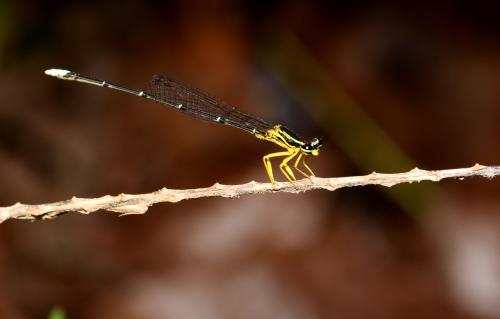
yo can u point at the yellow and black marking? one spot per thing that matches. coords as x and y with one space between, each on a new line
193 102
295 147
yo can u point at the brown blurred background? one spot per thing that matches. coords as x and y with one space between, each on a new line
389 85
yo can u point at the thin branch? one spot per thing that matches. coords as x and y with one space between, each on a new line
125 204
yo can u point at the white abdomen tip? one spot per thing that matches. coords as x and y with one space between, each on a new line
57 72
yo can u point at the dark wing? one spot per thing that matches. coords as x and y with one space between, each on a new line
196 103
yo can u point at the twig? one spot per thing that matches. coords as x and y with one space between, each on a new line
125 204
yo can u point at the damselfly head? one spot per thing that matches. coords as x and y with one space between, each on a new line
312 147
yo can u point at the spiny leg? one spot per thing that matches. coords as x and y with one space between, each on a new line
285 169
296 166
267 163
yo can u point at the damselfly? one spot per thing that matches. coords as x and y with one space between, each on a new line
191 101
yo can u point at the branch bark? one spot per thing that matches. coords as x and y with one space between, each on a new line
125 204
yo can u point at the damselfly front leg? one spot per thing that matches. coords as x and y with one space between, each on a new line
296 165
308 168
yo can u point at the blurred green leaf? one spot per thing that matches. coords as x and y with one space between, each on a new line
57 313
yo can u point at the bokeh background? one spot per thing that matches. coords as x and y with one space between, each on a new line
389 86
